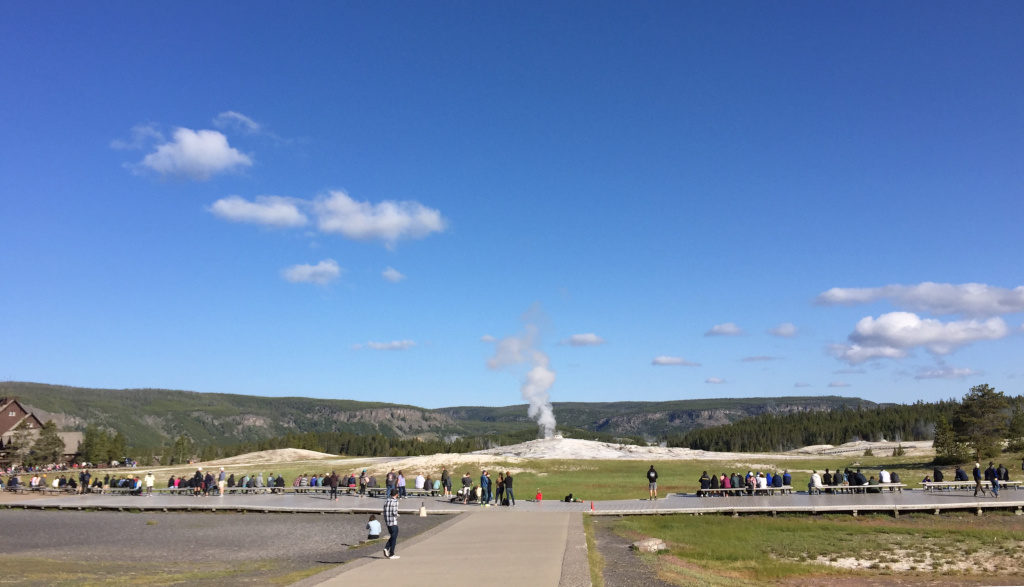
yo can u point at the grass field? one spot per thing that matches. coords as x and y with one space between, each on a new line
757 549
594 479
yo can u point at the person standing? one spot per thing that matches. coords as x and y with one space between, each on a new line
446 482
508 489
221 481
333 481
485 488
977 480
391 521
150 479
499 492
652 482
401 484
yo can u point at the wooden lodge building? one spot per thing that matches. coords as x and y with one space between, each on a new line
13 415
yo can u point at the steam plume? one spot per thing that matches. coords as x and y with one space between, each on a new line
519 350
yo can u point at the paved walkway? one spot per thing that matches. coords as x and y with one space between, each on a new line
527 548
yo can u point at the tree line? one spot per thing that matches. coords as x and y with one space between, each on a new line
974 427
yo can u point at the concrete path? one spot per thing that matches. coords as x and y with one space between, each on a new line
524 548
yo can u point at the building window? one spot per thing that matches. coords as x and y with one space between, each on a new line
11 414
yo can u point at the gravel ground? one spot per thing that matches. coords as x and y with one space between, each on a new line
224 542
622 566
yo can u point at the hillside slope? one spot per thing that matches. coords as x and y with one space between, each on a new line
154 417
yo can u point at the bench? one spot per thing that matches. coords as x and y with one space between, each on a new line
744 491
949 485
878 488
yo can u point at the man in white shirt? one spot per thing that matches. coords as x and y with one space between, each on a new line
883 476
815 485
420 481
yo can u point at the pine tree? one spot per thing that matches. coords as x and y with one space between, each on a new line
980 421
1015 431
48 447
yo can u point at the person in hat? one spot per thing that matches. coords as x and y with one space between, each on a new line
977 480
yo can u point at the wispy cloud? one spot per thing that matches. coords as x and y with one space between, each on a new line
587 339
141 136
726 329
394 345
801 384
850 371
237 121
945 373
668 361
839 384
714 380
195 154
322 273
969 299
387 221
391 274
784 330
488 338
267 210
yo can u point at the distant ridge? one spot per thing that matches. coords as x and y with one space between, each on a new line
154 417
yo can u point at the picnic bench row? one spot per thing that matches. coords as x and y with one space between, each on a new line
939 485
787 489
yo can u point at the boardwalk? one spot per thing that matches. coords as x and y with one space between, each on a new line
887 502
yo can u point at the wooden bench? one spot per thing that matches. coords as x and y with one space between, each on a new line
949 485
877 488
744 491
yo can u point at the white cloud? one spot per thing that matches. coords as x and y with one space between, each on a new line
714 380
196 155
268 210
237 120
839 384
488 338
391 274
785 330
394 345
945 373
801 384
856 354
387 221
726 329
970 299
322 273
903 330
667 361
758 359
587 339
852 371
141 135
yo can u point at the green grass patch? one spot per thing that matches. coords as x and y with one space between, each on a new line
593 554
585 479
761 548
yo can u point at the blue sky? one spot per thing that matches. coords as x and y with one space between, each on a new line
344 200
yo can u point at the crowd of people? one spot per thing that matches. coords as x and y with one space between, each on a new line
751 484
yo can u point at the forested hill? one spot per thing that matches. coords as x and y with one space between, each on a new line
781 432
150 418
658 419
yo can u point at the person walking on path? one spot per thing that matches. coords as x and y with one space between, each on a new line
991 477
391 521
977 480
652 482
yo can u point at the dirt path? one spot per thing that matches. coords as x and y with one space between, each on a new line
622 566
